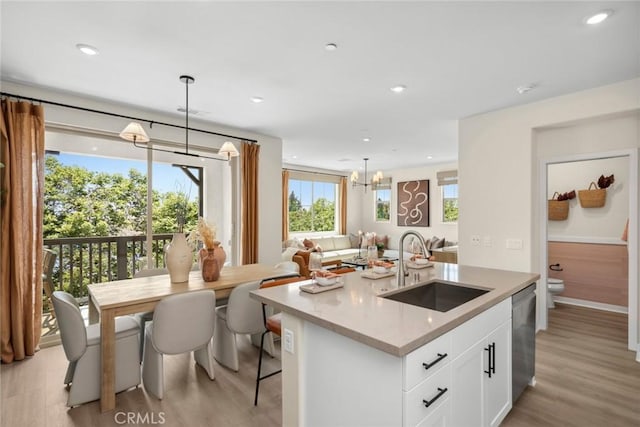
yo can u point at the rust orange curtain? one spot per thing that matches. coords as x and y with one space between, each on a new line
343 205
249 155
22 184
285 205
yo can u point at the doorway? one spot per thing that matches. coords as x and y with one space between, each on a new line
631 157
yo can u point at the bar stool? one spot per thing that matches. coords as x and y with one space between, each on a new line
272 324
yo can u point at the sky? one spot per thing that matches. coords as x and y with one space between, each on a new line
165 177
304 193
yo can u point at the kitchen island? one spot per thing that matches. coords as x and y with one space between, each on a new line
352 357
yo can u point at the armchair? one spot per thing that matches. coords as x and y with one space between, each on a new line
302 259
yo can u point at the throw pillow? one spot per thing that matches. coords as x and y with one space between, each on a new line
308 243
437 243
354 240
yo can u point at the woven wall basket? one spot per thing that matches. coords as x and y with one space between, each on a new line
558 210
593 197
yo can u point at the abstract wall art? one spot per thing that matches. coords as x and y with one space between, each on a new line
413 203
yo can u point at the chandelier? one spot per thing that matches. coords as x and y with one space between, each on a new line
135 133
375 179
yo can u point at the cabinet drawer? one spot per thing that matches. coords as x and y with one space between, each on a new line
435 390
440 417
423 362
467 334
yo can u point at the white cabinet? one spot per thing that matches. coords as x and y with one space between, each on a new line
497 389
472 363
442 383
481 377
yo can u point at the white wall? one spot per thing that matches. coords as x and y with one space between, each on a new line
436 227
270 194
590 225
498 170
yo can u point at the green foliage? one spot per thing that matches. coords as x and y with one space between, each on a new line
383 210
83 203
294 203
320 216
450 210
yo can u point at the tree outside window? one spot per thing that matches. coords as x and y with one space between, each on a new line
450 203
383 205
312 206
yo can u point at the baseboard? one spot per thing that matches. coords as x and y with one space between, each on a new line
591 304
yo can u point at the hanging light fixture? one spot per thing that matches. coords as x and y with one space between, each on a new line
375 179
135 133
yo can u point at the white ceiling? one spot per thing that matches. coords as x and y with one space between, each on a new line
456 58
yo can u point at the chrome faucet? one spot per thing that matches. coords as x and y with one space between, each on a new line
401 280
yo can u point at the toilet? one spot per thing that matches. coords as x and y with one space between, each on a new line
554 287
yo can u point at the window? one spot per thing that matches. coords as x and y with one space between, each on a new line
312 202
448 180
383 205
450 203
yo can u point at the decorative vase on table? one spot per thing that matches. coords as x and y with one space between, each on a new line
179 258
211 261
220 254
209 264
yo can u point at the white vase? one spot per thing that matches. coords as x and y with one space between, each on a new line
179 258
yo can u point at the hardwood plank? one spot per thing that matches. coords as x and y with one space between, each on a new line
33 394
585 374
585 377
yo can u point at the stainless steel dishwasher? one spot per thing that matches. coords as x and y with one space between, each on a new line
523 339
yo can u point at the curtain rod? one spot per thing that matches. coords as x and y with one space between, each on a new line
122 116
317 173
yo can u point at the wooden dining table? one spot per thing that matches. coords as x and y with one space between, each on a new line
110 299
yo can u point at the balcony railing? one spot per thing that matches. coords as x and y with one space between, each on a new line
85 260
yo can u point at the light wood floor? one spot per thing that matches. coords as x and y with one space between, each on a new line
585 377
33 395
585 374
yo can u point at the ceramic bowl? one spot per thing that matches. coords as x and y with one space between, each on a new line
326 281
380 270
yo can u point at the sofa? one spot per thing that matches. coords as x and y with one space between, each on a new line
338 248
334 249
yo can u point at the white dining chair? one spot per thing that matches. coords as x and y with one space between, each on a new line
241 316
147 316
82 347
181 323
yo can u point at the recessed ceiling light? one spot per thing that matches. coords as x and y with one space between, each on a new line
256 99
398 88
330 47
366 139
598 17
86 49
429 157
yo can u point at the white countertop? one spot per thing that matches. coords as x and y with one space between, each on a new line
357 311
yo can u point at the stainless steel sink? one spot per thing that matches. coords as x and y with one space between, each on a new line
439 296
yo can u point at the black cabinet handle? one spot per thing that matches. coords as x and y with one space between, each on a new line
488 371
493 357
441 391
440 357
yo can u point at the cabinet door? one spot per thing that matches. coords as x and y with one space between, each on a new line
497 388
467 386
